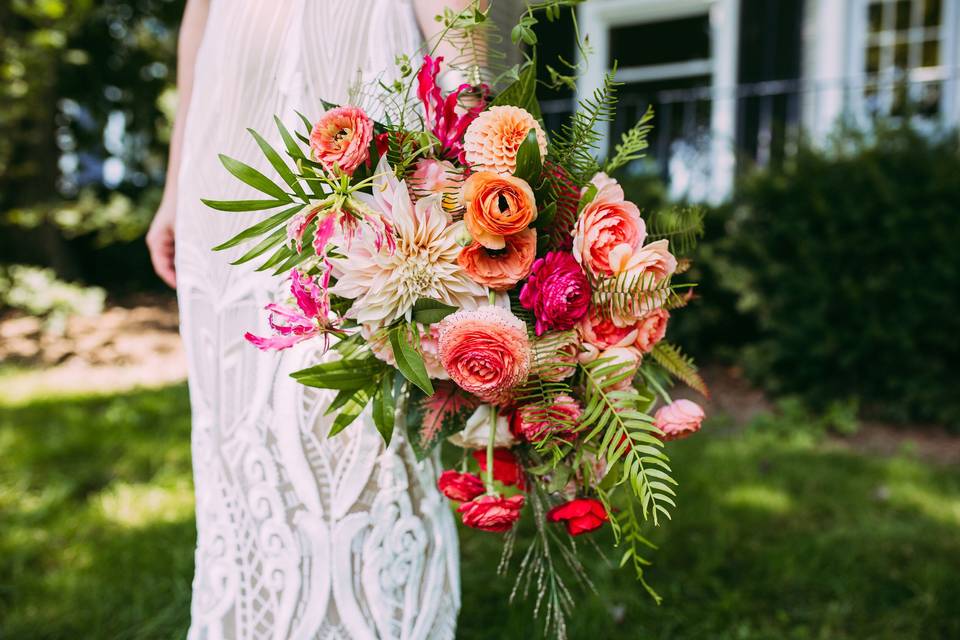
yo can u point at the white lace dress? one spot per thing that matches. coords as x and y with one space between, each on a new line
299 536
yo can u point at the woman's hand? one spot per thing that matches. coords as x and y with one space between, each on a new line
161 241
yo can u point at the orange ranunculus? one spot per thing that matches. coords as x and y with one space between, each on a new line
497 206
504 268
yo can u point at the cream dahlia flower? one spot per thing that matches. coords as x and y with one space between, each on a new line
385 284
493 139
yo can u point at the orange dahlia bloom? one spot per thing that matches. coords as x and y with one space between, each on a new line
500 269
493 139
497 206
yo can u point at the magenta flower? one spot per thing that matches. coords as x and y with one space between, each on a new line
557 291
292 325
444 117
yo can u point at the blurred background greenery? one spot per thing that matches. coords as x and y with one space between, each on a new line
822 499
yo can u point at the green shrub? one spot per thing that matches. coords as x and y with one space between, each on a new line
849 260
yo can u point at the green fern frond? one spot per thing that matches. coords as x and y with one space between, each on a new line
633 143
626 436
628 533
631 295
681 226
575 146
680 366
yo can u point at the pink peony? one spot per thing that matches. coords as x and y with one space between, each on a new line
340 140
679 419
535 423
608 224
461 487
650 329
557 291
604 333
436 177
491 513
486 351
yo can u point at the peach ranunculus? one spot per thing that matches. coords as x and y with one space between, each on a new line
485 351
651 328
504 268
492 140
603 333
607 225
679 419
436 177
497 206
340 139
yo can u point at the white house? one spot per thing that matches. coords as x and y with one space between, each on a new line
735 81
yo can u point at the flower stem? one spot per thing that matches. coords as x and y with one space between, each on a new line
488 476
491 297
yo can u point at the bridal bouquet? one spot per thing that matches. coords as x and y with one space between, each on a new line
485 282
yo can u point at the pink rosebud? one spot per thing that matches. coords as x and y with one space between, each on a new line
340 140
651 329
557 291
535 424
679 419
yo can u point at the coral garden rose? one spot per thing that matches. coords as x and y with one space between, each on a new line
506 469
599 180
492 140
497 206
476 433
627 360
557 292
650 329
485 351
652 263
537 423
461 487
679 419
602 332
500 268
491 513
608 224
340 140
582 515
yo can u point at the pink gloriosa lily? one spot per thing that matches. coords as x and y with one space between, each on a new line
348 224
443 116
309 319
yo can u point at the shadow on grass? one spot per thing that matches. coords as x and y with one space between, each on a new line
776 536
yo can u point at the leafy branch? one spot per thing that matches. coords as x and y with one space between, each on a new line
680 366
633 142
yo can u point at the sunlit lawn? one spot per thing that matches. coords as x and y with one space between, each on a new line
777 536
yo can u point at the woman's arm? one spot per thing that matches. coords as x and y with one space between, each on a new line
160 237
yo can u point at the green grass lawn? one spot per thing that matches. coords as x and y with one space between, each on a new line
776 536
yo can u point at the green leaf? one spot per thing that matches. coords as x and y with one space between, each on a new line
409 360
254 178
522 92
279 165
293 149
263 246
588 195
351 409
529 162
261 227
244 205
384 408
354 373
429 311
546 216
